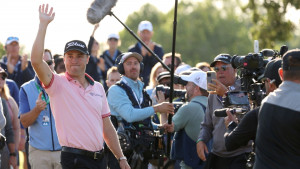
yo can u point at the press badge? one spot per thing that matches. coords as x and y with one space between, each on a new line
46 121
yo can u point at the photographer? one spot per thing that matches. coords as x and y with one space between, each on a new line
129 103
186 121
237 136
214 127
277 139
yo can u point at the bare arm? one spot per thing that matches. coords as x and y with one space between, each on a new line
111 139
29 118
41 68
16 123
95 28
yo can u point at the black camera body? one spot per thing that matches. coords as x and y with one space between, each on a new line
166 91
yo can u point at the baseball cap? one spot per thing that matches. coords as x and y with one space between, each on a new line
225 58
11 39
2 71
271 71
131 54
163 75
290 58
76 45
197 77
114 36
182 68
145 25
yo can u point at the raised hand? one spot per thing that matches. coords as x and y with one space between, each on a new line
218 89
45 16
24 63
9 64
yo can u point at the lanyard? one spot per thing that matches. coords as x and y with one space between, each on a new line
43 95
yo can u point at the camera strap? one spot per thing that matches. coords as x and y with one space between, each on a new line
138 100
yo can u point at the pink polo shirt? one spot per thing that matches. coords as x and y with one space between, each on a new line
78 112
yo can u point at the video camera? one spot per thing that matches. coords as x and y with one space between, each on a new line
235 100
251 68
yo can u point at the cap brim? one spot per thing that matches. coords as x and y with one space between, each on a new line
9 42
136 55
77 50
214 62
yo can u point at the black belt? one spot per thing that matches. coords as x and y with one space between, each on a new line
94 155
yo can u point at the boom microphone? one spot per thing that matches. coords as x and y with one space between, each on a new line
99 9
222 112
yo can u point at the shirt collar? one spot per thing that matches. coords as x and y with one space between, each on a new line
132 82
37 80
87 77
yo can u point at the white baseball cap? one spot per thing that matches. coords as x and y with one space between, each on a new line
11 39
145 25
197 77
113 35
182 68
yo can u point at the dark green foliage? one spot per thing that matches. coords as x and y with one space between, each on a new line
203 31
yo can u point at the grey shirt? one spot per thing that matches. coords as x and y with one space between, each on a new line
214 127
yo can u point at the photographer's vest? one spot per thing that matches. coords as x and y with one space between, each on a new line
185 149
146 103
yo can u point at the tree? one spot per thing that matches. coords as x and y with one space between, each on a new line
2 50
270 24
203 31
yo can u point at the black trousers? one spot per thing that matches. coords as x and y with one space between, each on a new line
76 161
217 162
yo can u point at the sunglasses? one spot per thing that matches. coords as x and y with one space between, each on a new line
3 77
223 67
49 62
113 39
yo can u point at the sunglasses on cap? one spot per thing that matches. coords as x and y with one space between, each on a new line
13 38
223 67
49 62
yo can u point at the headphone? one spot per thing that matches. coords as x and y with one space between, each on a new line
120 65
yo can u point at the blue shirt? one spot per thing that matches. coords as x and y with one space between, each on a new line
19 76
42 133
13 89
149 61
121 106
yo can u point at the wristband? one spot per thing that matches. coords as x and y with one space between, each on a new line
122 158
199 139
12 154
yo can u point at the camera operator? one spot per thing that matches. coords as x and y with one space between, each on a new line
214 127
129 103
246 129
186 121
277 139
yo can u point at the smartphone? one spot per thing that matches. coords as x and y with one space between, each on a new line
210 75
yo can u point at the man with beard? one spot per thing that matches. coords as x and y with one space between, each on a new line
129 105
186 121
214 127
